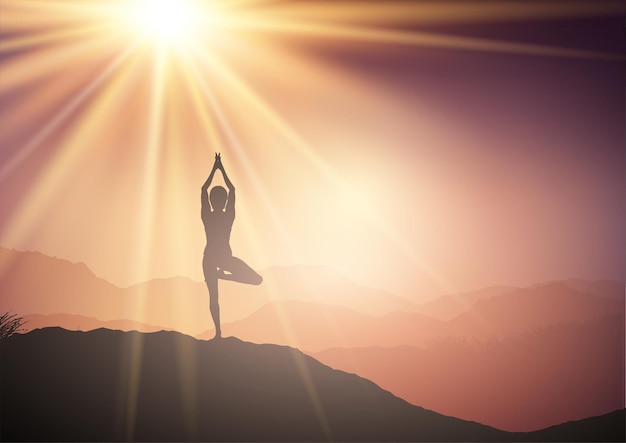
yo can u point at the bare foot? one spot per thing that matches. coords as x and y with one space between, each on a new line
223 275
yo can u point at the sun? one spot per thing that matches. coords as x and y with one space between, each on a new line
164 21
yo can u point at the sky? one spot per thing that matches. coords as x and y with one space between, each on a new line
420 147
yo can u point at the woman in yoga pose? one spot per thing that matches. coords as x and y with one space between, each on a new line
218 214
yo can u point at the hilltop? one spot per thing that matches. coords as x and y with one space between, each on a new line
104 385
107 385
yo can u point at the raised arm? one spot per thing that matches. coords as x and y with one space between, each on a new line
205 187
230 204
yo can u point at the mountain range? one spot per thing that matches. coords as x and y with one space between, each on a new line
33 283
502 343
314 326
83 323
575 370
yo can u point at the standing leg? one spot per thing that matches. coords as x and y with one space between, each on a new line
210 277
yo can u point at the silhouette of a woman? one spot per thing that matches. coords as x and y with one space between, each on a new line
218 261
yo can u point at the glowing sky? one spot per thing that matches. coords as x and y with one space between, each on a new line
422 147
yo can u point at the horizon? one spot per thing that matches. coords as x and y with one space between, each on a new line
417 300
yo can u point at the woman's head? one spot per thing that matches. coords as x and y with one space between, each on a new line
218 197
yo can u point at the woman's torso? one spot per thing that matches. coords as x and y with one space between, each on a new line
217 227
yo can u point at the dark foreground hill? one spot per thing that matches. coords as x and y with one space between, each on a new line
108 385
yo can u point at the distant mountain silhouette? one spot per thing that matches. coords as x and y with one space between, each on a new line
62 287
75 322
313 327
326 285
547 376
34 283
600 288
104 385
449 306
529 308
175 303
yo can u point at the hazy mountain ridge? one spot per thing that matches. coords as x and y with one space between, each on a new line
313 327
181 304
74 322
574 370
327 285
600 288
67 386
32 283
449 306
529 308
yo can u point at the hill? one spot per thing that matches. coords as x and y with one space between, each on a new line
104 385
607 427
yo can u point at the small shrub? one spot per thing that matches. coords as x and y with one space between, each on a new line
10 324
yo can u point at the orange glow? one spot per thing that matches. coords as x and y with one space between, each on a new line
115 135
422 148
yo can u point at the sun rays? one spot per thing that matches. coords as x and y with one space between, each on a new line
167 66
108 89
76 58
